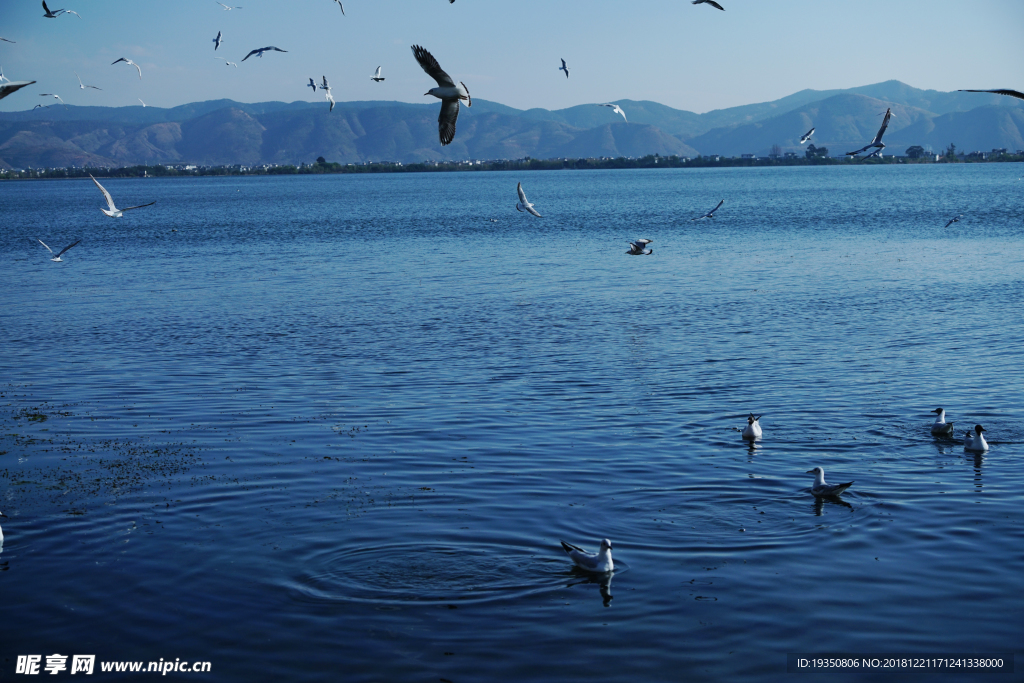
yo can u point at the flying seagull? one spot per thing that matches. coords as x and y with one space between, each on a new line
600 562
259 51
330 97
636 248
227 63
564 68
228 9
877 142
57 12
709 2
81 85
617 109
954 219
376 76
7 41
341 6
143 103
820 488
115 212
1010 93
807 137
57 257
711 213
130 63
524 204
312 84
216 41
447 92
44 106
50 94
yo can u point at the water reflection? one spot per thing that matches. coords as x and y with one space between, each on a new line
604 582
819 504
979 458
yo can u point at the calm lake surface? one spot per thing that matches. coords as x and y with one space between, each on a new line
333 428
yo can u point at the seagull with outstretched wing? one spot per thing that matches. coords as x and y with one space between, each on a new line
954 219
115 212
50 94
312 84
81 85
57 256
228 9
227 63
217 41
523 204
877 142
259 51
53 14
130 63
617 109
564 68
446 91
341 6
638 248
711 213
376 76
807 136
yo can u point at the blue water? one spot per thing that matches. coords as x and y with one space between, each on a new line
312 428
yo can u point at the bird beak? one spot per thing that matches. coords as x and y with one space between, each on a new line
809 472
426 93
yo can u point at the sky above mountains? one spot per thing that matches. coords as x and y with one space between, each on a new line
689 57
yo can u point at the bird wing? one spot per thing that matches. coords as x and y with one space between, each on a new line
44 244
275 48
110 200
1010 93
529 207
71 11
223 5
563 63
881 131
138 207
12 86
79 79
330 97
715 4
435 71
377 73
250 54
47 10
64 249
121 59
644 242
858 151
140 70
446 120
716 208
522 195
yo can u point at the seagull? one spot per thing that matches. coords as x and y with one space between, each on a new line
1010 93
617 109
312 84
325 85
447 92
1 530
968 438
57 257
130 63
636 248
228 9
44 106
710 2
50 94
711 213
140 100
941 427
259 51
377 77
954 219
115 212
877 142
330 98
217 41
81 85
341 6
7 41
820 488
599 563
523 204
978 443
807 137
57 12
753 429
227 63
564 68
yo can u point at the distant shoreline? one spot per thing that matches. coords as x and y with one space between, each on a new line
527 164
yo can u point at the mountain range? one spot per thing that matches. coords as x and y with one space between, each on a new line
224 132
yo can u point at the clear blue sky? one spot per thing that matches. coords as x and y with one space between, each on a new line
689 57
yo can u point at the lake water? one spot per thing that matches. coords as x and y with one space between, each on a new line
333 428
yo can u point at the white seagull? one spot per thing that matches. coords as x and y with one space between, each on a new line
228 9
941 427
711 213
330 97
130 63
954 219
82 86
216 41
376 76
636 248
601 562
341 6
807 137
753 429
50 94
57 257
564 68
447 92
312 84
978 443
57 12
140 100
523 204
227 63
259 51
115 212
617 109
709 2
820 488
1008 93
877 142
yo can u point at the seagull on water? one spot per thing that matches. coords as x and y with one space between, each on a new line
12 86
617 109
82 86
523 204
978 443
753 429
259 51
115 212
807 137
564 68
877 142
57 257
711 213
57 12
636 248
227 63
821 489
600 562
376 76
954 219
217 41
228 9
941 427
447 92
1008 93
709 2
341 6
130 63
50 94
